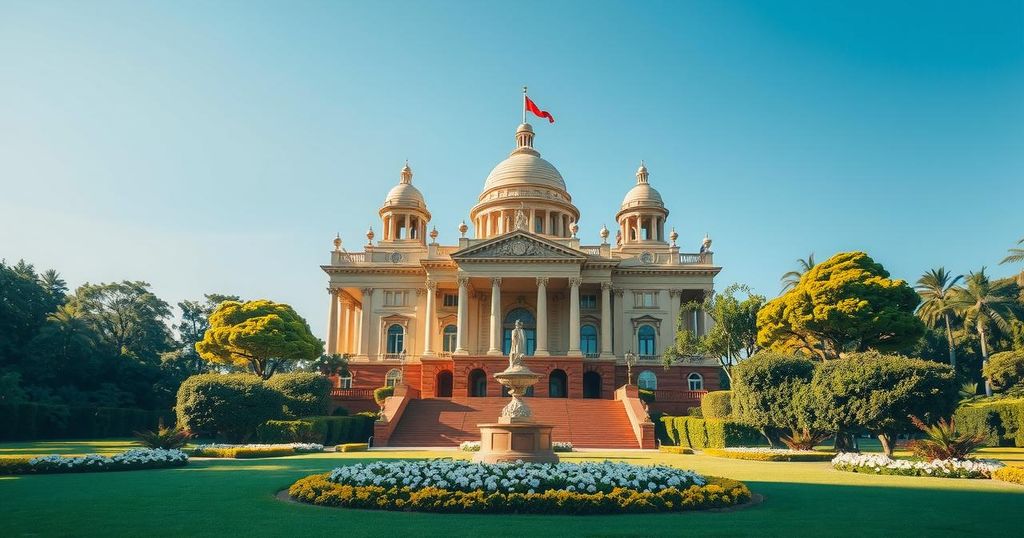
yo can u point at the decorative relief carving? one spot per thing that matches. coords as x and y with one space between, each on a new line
395 257
646 257
431 285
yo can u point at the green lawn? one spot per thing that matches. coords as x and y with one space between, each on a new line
229 497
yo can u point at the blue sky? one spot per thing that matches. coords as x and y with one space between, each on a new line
218 146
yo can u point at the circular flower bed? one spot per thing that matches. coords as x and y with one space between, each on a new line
563 488
768 454
881 464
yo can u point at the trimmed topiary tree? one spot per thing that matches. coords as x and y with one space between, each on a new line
227 405
305 393
764 389
878 393
717 404
1005 370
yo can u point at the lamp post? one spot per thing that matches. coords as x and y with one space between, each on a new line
630 361
401 361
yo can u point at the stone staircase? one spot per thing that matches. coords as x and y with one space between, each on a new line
449 421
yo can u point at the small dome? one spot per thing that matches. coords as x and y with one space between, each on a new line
405 194
642 194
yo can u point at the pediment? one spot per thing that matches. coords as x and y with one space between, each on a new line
519 245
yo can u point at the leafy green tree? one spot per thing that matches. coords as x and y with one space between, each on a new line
1005 370
846 303
129 318
937 289
878 393
732 336
766 388
985 305
792 278
24 304
195 320
261 334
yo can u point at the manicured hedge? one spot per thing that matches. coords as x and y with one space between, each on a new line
1010 474
709 433
324 430
227 405
717 404
288 431
717 493
675 449
29 421
1001 421
766 455
352 447
305 393
247 452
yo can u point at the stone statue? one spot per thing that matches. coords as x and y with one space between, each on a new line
515 352
522 223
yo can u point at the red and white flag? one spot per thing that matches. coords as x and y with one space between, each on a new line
532 107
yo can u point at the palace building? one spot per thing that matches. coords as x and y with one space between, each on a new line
435 320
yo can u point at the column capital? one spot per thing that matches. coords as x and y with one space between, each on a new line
542 281
367 291
606 286
496 281
463 281
618 292
575 281
333 291
431 285
675 292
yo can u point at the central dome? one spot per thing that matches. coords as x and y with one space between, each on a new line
524 169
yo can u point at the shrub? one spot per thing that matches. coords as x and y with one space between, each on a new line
882 464
646 395
229 405
675 449
765 387
717 404
1010 474
163 437
352 447
695 412
768 454
561 446
288 431
129 460
999 421
803 439
944 442
339 412
14 464
1005 369
338 430
245 452
668 424
383 393
304 393
699 433
28 421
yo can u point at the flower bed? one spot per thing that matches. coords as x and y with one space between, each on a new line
562 488
129 460
1010 474
470 446
768 454
668 449
561 446
881 464
352 447
216 450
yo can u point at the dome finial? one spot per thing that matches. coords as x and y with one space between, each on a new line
604 234
369 236
641 173
337 242
524 139
406 173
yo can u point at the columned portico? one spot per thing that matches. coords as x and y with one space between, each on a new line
542 317
496 331
606 320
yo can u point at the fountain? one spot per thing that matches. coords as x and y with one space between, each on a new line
516 436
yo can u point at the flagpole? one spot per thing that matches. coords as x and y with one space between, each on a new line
524 104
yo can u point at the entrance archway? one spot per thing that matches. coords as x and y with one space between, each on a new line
558 384
591 385
444 384
477 383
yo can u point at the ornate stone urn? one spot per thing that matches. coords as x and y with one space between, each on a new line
516 436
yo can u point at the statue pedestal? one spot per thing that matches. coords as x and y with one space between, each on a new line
526 441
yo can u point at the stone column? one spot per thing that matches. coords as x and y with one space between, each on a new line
542 317
606 319
495 348
366 322
620 337
462 324
428 324
332 323
343 320
574 316
668 325
350 329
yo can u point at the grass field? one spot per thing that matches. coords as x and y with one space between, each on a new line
230 497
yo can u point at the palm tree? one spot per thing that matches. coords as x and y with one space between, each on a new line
70 327
984 303
792 278
937 289
1016 255
54 284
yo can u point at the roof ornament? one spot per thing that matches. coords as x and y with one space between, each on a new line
337 243
463 228
604 234
433 235
574 228
522 223
641 173
705 245
369 236
673 236
406 173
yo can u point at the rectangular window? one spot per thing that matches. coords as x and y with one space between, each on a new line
588 302
646 299
450 300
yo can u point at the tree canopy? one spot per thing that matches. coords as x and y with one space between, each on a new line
261 334
846 303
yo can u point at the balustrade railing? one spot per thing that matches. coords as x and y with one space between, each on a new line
352 394
671 396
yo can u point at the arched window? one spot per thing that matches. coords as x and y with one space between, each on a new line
396 339
393 378
557 384
647 380
449 337
696 381
477 383
645 340
529 328
588 339
345 381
